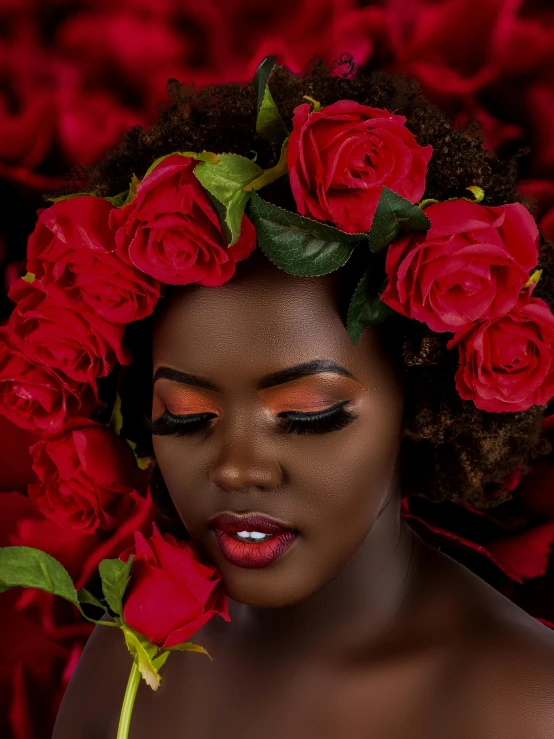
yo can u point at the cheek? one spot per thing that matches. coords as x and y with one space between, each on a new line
349 473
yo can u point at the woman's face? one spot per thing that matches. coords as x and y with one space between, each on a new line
244 368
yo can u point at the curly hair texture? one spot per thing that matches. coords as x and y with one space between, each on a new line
453 451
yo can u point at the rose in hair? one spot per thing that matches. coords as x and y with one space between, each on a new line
341 157
172 231
169 572
506 363
470 265
76 342
86 477
36 397
73 253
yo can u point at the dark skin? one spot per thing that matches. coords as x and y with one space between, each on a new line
361 629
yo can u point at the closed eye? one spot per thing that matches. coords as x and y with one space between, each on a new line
318 422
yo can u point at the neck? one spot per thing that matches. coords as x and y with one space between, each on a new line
353 610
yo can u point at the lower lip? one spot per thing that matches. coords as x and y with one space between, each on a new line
244 554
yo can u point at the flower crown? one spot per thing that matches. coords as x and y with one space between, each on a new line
357 175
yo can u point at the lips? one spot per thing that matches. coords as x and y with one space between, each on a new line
231 523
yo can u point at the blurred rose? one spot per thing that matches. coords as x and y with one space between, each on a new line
540 104
131 43
541 194
495 132
27 108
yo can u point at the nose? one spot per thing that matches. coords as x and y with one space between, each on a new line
244 461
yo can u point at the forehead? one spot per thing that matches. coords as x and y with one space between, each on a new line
255 324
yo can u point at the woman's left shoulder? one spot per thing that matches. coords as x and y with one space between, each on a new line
510 687
502 662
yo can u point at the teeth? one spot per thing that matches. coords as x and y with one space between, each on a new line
256 535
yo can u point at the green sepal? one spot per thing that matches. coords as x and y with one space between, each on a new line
144 653
366 307
115 576
477 192
116 419
143 463
160 660
394 214
426 203
297 244
316 105
205 156
71 196
188 646
29 277
269 123
27 567
265 68
119 200
226 180
273 173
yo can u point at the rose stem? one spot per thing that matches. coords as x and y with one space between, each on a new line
128 702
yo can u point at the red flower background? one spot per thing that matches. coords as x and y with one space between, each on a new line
73 77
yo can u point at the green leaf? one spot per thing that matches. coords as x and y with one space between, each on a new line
32 568
366 307
71 196
222 213
226 180
265 68
299 245
188 646
115 576
88 598
394 214
144 652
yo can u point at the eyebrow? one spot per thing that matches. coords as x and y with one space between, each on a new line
314 367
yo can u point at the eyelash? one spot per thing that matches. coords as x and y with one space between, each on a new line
322 422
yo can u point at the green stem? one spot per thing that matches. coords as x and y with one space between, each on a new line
128 702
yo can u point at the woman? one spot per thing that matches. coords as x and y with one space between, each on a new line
284 447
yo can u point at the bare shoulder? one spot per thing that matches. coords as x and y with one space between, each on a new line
504 663
96 689
511 685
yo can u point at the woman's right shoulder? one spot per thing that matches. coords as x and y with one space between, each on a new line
93 698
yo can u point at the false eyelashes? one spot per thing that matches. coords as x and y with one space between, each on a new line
320 422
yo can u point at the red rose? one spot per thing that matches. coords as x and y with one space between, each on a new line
72 252
171 593
470 265
86 477
506 363
36 397
78 343
342 156
172 230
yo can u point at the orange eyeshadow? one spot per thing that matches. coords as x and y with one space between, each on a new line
181 402
306 395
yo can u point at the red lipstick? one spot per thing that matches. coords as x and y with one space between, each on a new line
252 554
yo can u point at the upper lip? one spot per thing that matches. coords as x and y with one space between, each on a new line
249 522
